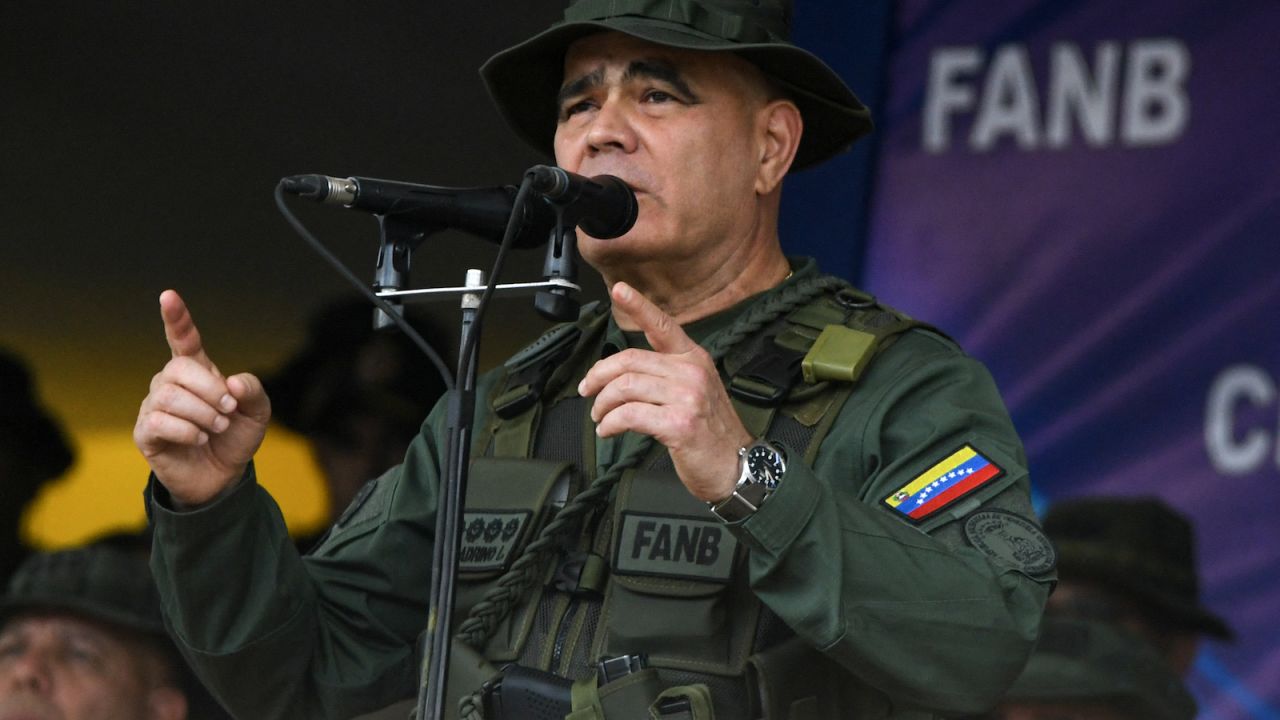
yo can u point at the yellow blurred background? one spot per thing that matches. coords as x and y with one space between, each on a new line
103 491
87 385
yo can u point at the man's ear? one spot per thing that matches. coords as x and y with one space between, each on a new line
780 127
167 703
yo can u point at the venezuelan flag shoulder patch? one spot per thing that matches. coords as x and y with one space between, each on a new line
953 477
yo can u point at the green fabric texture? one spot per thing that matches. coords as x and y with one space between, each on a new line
915 621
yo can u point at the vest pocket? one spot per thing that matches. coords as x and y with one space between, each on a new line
676 624
506 507
675 595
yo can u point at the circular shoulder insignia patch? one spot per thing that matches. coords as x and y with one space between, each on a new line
1011 540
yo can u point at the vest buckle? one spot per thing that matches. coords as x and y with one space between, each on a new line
767 378
610 669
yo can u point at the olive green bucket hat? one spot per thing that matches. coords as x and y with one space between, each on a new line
104 583
524 80
1139 546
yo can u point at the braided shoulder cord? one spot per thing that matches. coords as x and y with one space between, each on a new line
775 307
501 599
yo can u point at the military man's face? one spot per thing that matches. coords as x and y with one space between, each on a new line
61 667
681 127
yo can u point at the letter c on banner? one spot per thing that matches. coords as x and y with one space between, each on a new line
1229 455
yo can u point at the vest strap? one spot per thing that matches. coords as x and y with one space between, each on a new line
528 372
767 378
581 573
585 700
832 338
512 438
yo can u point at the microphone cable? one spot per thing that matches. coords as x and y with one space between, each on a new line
508 239
441 367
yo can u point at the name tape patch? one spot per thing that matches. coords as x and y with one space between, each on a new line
489 537
950 479
687 548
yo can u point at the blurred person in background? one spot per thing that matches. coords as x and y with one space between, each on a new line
357 395
81 638
1087 670
33 451
1131 562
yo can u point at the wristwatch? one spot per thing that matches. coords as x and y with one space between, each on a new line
761 466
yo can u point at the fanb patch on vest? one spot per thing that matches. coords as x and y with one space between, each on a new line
1011 540
489 537
687 548
953 477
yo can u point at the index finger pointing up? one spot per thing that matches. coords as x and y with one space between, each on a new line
180 329
662 332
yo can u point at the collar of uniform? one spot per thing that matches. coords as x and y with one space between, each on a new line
703 329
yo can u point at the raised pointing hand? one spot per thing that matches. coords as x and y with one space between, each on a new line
672 393
197 429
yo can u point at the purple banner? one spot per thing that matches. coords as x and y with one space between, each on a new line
1087 196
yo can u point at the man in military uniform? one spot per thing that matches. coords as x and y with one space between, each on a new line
1131 562
741 490
1087 670
82 639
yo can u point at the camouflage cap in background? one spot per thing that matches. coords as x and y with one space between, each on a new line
109 584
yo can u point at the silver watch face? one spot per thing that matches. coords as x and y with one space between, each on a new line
766 465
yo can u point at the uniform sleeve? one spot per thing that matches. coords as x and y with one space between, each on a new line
328 635
912 609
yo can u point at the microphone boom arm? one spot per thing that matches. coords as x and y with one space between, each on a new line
422 295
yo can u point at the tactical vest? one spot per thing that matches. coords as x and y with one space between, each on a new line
653 573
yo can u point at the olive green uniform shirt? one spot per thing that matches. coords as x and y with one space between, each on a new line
916 612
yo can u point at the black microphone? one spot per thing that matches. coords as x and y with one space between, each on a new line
481 211
603 206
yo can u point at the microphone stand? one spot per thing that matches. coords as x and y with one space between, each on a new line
552 300
400 235
449 514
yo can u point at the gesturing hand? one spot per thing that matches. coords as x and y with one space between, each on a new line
672 393
197 429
